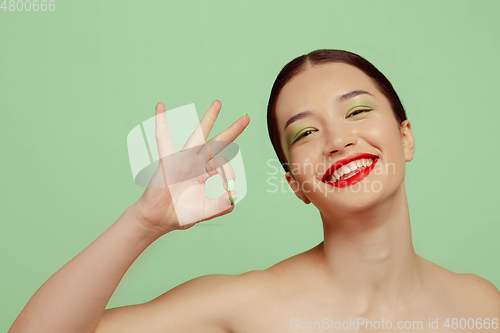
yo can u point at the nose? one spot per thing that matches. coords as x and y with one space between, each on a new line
338 137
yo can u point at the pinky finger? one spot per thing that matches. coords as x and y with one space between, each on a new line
162 135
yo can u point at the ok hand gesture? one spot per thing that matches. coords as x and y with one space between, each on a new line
175 197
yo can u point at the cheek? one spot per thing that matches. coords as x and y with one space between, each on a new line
303 163
386 137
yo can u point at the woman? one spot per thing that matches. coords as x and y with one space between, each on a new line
342 136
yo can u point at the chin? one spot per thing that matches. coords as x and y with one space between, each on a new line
349 202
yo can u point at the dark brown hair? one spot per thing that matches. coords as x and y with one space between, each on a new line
323 56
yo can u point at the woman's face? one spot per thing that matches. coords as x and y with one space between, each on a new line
343 113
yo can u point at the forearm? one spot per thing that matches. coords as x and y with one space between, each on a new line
75 297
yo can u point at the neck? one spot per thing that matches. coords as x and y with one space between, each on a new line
370 254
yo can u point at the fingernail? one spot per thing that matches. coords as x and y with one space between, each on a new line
243 115
230 185
156 105
232 199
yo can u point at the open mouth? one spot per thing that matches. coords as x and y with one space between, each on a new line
349 171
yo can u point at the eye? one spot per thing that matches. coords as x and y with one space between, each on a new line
303 134
358 112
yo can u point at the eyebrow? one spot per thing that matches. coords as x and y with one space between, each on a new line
298 116
341 98
352 94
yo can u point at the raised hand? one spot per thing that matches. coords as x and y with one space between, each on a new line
175 197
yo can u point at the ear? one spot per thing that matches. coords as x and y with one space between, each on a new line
296 188
408 140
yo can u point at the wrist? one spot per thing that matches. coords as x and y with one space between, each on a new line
143 229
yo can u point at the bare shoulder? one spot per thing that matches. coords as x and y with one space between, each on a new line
220 299
298 262
475 294
209 303
214 303
481 293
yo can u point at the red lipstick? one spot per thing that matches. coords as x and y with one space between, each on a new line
354 179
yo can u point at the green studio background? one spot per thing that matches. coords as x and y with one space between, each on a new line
75 81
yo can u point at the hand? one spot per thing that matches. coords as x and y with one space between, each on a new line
175 197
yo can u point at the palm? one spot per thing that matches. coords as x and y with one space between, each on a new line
186 174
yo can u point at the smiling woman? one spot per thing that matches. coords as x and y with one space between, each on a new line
341 134
333 118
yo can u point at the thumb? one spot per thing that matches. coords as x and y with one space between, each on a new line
221 205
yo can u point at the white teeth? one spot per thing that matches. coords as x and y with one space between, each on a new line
346 169
353 165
